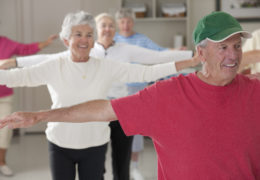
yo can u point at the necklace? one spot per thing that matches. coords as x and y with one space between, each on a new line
81 68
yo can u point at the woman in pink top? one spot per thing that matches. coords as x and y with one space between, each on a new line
9 48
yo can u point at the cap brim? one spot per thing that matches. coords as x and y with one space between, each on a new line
226 35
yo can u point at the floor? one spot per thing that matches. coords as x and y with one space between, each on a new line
28 157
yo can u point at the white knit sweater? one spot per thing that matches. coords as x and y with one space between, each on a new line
71 83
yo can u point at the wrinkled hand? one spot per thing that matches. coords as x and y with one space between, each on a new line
254 76
182 48
19 120
7 63
179 49
51 38
48 41
195 59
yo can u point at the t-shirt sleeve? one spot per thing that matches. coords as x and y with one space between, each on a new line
137 113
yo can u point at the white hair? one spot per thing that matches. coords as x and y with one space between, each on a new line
125 13
74 19
104 15
202 44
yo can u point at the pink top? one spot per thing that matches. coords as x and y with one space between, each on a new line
200 131
9 48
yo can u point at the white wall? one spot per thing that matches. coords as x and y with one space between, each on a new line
199 8
8 17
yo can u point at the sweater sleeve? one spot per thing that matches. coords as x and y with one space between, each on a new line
252 43
141 55
31 60
32 76
39 58
249 45
23 49
126 72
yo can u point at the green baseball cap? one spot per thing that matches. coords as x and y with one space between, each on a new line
217 27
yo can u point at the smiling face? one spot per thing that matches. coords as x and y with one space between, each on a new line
80 42
106 30
221 60
125 26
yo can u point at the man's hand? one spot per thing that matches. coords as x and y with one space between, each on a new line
20 120
8 63
96 110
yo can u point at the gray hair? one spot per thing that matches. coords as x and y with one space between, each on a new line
74 19
104 15
125 13
202 44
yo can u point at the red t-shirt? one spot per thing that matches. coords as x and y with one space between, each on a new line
9 48
200 131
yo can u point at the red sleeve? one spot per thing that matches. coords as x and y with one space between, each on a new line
137 113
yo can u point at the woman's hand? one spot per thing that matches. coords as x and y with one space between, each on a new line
8 63
48 41
195 60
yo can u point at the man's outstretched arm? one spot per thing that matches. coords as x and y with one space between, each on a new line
97 110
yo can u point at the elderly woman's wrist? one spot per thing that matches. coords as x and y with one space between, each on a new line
193 63
14 62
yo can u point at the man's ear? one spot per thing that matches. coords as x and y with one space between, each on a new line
201 54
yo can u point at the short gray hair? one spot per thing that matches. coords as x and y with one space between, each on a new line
202 43
74 19
104 15
125 13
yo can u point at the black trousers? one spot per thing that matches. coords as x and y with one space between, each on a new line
90 162
121 151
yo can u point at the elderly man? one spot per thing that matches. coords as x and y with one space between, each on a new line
204 125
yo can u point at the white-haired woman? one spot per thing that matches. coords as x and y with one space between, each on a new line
73 77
